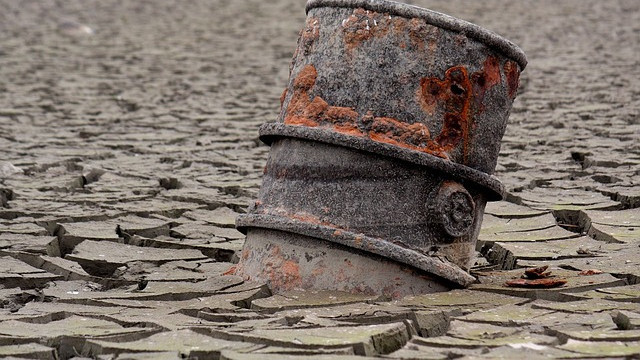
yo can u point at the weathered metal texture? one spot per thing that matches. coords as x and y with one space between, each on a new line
289 261
389 132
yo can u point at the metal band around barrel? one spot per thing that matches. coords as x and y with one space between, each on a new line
492 187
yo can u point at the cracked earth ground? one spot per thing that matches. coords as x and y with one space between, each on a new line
127 153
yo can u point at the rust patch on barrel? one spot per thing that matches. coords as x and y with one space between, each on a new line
414 136
485 80
316 112
512 74
283 273
454 93
297 108
392 130
457 94
304 111
363 25
460 95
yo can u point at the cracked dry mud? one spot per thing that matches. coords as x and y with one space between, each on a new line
128 137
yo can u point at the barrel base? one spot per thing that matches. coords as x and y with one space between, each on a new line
288 261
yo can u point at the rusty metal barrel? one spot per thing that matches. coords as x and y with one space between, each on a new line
381 159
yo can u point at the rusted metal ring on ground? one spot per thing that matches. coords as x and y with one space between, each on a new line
433 265
435 18
488 184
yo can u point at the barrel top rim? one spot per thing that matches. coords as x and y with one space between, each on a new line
476 32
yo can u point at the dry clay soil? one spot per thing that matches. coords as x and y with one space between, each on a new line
128 147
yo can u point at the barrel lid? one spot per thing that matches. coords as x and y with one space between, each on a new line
435 18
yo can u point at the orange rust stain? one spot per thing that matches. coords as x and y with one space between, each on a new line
456 120
300 121
232 271
303 111
492 71
512 74
306 78
282 272
275 252
337 233
485 80
386 129
299 102
315 108
341 277
399 24
430 93
394 132
348 129
340 114
291 269
364 25
454 92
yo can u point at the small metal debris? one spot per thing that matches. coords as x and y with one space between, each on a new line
537 283
537 273
537 278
